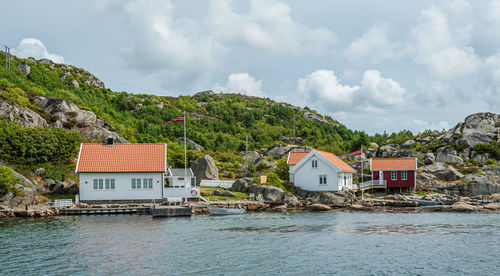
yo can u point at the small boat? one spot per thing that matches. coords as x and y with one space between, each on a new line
422 202
226 211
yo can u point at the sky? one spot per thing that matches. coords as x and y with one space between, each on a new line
372 65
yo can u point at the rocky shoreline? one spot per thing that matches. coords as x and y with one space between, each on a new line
391 203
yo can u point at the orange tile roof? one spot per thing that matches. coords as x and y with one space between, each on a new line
296 156
393 164
121 158
336 161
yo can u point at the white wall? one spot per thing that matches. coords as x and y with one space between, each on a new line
307 177
123 187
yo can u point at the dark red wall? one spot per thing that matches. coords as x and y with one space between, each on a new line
410 182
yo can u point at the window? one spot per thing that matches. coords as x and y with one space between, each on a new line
145 183
322 180
394 175
133 183
314 163
100 184
138 181
150 183
404 175
95 184
107 184
112 184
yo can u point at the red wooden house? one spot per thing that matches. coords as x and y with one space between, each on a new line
394 172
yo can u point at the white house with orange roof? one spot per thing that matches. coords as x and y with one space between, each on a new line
128 172
319 171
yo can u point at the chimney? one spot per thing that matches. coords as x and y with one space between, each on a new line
110 140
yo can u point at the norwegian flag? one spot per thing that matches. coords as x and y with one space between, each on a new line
354 153
176 120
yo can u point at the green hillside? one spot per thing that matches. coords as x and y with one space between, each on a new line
218 122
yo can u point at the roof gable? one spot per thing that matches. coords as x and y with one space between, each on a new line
329 158
381 164
296 156
121 158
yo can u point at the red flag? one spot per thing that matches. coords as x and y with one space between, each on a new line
176 120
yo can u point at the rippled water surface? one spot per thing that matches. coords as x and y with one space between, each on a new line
254 244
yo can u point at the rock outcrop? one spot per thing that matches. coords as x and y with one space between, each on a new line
21 115
443 171
241 185
69 116
24 67
315 118
477 128
205 168
269 193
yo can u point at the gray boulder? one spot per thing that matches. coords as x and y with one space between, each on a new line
75 83
228 194
24 67
327 198
241 185
250 155
69 116
478 128
39 171
278 152
217 193
269 193
70 188
442 157
386 150
21 115
27 182
443 171
408 144
317 207
205 168
429 158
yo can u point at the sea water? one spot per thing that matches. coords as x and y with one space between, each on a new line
254 244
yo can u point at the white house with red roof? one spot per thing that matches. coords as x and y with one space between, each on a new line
319 171
128 172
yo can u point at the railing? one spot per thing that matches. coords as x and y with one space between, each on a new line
372 183
226 184
62 203
183 192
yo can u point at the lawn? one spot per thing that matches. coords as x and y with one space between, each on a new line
206 192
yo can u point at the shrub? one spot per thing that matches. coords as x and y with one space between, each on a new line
7 178
273 180
283 170
53 172
490 162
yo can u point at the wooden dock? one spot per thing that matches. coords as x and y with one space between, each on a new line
104 211
171 211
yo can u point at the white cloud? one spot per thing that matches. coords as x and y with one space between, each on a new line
424 125
446 53
323 89
32 47
375 45
241 83
164 45
267 26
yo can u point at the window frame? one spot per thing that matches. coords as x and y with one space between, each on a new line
323 179
101 184
134 186
394 175
404 175
150 183
112 184
96 184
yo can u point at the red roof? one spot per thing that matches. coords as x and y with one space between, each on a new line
336 161
295 157
382 164
121 158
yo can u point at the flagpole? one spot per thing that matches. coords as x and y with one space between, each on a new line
361 158
185 156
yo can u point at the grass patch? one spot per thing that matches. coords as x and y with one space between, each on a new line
53 196
209 190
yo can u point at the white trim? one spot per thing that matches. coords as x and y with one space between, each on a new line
317 154
78 160
288 158
392 173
